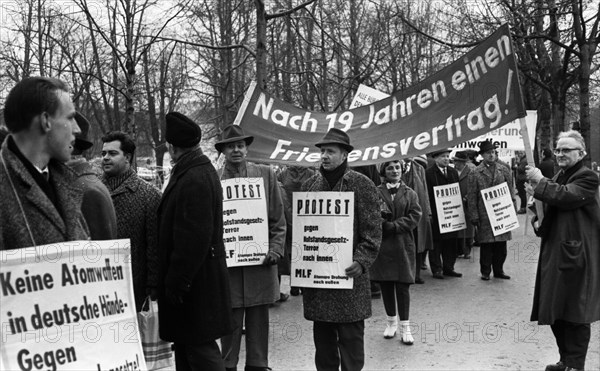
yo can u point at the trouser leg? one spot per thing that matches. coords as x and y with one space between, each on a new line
257 336
449 254
576 341
499 257
403 298
325 337
351 345
388 295
485 258
199 357
435 257
230 344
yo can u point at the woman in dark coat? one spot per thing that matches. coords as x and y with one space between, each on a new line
567 285
395 265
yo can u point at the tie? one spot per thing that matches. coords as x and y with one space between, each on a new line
444 171
393 188
46 175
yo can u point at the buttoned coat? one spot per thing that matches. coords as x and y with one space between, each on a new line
342 306
396 260
567 284
415 180
434 178
463 182
38 214
192 255
482 178
136 203
258 284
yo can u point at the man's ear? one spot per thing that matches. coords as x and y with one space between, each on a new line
43 122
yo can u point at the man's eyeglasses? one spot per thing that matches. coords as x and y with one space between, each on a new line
558 151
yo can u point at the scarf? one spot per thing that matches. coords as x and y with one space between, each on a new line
113 182
564 175
333 176
393 188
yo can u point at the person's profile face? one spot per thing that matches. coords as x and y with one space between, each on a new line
332 156
568 152
62 128
235 152
114 160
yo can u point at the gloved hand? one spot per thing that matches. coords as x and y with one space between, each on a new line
534 175
271 258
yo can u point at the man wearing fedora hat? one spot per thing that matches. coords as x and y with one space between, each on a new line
193 285
465 236
96 206
253 288
339 315
489 173
443 256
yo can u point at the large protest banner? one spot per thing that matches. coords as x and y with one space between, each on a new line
322 239
475 94
245 221
69 306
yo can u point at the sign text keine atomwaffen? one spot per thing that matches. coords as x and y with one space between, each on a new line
322 239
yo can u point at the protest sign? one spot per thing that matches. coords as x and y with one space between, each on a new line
62 303
449 205
245 221
366 95
475 94
322 239
500 209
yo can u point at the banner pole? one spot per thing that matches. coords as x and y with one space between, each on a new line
247 97
530 161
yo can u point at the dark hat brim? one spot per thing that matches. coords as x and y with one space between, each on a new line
346 146
82 144
439 152
246 138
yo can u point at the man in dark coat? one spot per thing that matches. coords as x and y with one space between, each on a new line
547 164
97 206
567 285
135 202
465 236
339 315
40 203
443 256
193 290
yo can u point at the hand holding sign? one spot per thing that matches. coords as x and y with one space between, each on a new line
354 270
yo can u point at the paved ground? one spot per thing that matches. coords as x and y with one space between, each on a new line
459 323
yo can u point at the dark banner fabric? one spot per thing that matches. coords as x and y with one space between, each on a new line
477 93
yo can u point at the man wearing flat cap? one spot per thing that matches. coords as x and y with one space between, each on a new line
255 287
97 207
443 256
193 285
489 173
339 315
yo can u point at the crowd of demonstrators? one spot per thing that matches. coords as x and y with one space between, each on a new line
465 236
489 173
136 204
193 283
395 267
567 285
253 288
40 199
96 205
339 315
413 175
443 256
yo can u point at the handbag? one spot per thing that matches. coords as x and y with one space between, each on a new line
158 353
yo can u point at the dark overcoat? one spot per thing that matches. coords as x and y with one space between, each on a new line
192 255
415 180
258 284
46 223
342 306
463 182
567 284
97 206
434 178
481 178
396 260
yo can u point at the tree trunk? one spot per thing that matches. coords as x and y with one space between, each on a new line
261 40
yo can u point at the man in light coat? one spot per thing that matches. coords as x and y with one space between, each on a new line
492 249
193 285
255 287
339 315
567 285
40 203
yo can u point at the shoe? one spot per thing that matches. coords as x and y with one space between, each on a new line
438 275
559 366
391 327
407 337
283 297
502 275
485 277
295 291
419 281
522 211
452 274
